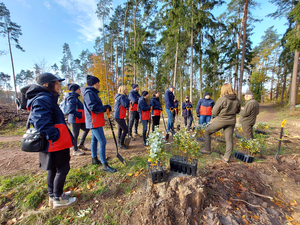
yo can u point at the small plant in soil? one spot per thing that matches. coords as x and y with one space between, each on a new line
250 147
201 130
261 126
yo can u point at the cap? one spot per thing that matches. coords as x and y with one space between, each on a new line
73 87
248 92
91 80
171 86
134 86
47 77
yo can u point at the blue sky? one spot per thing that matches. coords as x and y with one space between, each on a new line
48 24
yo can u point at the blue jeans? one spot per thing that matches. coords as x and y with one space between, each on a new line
170 120
98 136
204 119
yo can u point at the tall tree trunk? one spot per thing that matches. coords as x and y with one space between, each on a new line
111 59
117 62
155 64
244 50
200 62
12 64
294 81
284 83
175 66
237 56
104 54
123 51
192 48
273 74
134 26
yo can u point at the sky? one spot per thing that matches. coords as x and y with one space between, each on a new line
48 24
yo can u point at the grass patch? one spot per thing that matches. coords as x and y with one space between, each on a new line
13 128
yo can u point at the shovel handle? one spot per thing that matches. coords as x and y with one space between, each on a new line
108 113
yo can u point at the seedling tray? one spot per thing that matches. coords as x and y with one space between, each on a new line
243 157
183 165
157 172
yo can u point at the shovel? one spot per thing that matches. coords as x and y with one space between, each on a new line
178 125
127 139
149 122
280 139
112 130
167 134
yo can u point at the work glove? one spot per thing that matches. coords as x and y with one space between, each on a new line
171 109
107 107
198 115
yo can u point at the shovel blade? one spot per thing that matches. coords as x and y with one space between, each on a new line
121 159
127 141
167 136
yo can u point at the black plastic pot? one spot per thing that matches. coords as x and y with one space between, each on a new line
243 157
158 173
183 165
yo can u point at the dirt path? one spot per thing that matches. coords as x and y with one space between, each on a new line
267 113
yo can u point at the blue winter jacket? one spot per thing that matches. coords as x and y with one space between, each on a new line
185 111
75 107
144 109
48 119
121 106
156 106
169 99
93 108
133 96
204 107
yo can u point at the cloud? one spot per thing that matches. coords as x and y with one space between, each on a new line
47 4
83 13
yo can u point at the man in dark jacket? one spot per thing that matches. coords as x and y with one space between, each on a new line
187 112
134 114
249 114
169 106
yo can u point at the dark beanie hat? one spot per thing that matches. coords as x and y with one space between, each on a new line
91 80
144 93
47 77
206 93
73 87
134 86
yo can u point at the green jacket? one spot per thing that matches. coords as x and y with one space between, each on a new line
249 114
226 109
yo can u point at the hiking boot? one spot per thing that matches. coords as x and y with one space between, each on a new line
82 147
107 168
203 151
130 136
96 161
137 135
224 159
63 201
78 152
51 199
123 146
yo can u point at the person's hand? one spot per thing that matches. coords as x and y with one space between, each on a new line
80 115
171 109
107 107
242 108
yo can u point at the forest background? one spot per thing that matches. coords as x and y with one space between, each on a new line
156 43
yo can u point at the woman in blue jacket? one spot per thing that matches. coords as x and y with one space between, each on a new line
187 112
156 109
48 119
144 109
121 107
76 117
94 120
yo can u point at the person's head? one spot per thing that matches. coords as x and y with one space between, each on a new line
186 99
74 88
145 94
248 95
155 94
227 90
135 87
171 88
207 95
50 82
123 90
93 81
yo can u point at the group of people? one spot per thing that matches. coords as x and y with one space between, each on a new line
47 117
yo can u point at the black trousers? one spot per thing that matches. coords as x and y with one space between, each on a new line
56 178
75 127
122 130
134 117
155 121
185 121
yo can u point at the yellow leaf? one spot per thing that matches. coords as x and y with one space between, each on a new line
289 218
149 160
88 187
129 174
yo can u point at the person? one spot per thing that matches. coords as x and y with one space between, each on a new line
187 112
134 114
144 110
76 117
156 109
169 106
49 120
249 114
204 109
94 119
175 112
121 106
225 110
